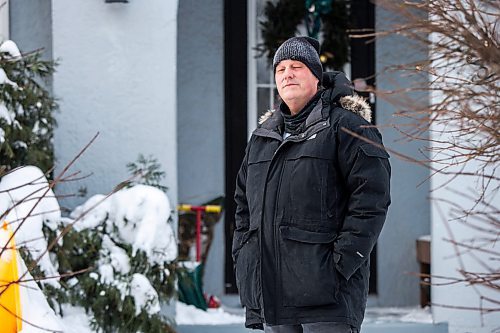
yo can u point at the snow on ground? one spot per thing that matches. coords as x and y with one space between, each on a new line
75 320
190 315
378 315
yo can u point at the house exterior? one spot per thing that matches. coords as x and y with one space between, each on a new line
179 80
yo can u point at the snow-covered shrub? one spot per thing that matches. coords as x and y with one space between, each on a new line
26 109
122 249
129 246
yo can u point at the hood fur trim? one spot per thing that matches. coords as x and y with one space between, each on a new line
354 103
265 116
358 105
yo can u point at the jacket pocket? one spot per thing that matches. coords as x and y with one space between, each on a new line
247 268
308 272
305 185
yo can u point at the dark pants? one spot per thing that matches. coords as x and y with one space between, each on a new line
311 328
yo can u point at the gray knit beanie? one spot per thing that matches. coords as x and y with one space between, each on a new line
304 49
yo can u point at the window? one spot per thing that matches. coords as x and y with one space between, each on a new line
262 92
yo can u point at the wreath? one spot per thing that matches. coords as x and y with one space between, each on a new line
330 18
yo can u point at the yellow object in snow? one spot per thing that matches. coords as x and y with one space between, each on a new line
10 302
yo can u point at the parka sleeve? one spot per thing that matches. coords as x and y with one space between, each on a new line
242 215
366 171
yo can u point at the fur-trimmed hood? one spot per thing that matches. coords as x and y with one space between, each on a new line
338 88
358 105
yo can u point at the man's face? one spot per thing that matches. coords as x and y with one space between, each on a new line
296 84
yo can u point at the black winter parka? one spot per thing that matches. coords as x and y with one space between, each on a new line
309 211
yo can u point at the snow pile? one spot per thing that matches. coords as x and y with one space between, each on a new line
138 214
190 315
26 193
10 48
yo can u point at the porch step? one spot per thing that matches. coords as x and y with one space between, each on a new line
368 328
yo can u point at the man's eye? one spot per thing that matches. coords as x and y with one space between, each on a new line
281 69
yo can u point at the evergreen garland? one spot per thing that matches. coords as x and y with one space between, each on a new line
284 16
28 130
335 47
281 23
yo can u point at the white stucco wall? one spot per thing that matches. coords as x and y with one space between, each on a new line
116 76
448 260
463 243
459 304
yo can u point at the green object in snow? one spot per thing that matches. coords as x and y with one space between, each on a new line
189 280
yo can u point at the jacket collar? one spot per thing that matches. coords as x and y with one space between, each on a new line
338 90
272 125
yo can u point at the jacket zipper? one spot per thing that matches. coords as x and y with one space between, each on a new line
275 228
277 252
277 256
261 231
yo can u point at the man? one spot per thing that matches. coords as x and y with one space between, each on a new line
311 201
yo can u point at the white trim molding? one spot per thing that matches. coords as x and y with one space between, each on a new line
252 67
4 20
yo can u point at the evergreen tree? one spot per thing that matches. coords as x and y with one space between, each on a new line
26 109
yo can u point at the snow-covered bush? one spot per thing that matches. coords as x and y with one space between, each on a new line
129 246
122 249
26 109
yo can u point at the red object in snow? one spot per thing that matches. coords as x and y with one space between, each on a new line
212 302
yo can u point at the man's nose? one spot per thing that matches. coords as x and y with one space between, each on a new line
288 72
